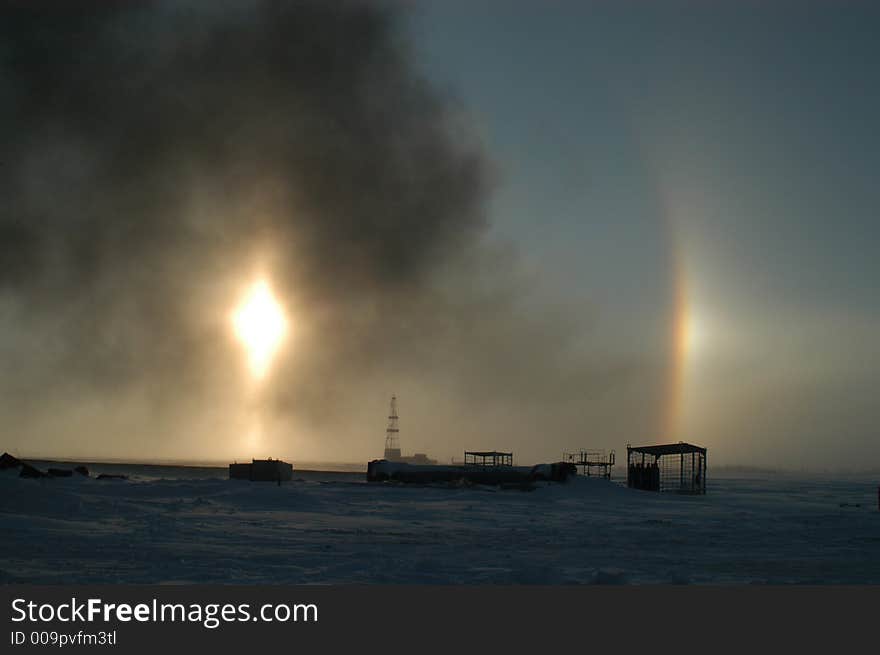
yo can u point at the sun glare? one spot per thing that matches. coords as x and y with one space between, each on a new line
260 324
695 335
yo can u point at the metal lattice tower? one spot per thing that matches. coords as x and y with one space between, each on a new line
392 440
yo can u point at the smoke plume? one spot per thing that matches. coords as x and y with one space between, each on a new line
159 156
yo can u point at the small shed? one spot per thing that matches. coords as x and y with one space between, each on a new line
262 470
678 467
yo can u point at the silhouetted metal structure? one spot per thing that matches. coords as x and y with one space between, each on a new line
393 451
677 467
392 442
489 467
487 458
592 459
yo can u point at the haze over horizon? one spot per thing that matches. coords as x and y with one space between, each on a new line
557 226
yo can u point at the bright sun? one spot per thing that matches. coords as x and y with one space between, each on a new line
260 324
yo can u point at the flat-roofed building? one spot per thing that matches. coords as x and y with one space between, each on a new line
262 470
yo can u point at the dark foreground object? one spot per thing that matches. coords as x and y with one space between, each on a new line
28 471
381 470
59 473
7 461
262 470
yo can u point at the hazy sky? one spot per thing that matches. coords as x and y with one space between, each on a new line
544 226
744 135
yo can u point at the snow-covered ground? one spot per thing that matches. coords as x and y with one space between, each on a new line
196 526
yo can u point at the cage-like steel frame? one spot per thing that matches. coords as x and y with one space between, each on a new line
678 467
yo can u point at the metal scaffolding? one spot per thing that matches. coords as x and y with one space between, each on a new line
592 459
487 458
392 441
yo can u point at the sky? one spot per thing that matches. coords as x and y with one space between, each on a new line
543 226
730 144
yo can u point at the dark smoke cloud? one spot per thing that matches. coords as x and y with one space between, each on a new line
156 156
